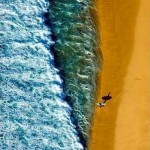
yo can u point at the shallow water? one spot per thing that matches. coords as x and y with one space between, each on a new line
77 51
33 112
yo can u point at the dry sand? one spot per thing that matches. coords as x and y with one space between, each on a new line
124 123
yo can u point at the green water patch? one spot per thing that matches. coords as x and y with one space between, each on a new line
76 49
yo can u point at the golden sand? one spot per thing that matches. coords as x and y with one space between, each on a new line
124 123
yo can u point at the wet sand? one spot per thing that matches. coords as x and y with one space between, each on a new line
124 29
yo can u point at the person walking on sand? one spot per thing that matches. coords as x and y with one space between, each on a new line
105 98
101 104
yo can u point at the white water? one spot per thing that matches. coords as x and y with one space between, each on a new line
33 114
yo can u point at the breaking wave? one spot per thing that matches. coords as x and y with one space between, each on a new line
76 48
33 112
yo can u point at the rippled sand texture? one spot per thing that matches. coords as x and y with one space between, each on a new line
76 50
124 123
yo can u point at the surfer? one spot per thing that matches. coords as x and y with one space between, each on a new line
105 98
101 104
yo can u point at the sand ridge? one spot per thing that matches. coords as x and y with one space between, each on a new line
124 32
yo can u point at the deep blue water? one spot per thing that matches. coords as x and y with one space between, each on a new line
33 113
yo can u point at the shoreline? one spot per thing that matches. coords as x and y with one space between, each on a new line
76 51
124 40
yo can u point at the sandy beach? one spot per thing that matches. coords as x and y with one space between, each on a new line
124 29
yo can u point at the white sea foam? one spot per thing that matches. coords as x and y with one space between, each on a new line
34 115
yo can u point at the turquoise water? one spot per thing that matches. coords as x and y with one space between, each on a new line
48 66
33 112
76 49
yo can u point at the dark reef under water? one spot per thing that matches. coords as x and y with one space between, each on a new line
77 57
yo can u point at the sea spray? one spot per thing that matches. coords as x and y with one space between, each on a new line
76 48
33 113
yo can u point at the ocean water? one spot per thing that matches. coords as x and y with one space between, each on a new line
33 112
77 51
